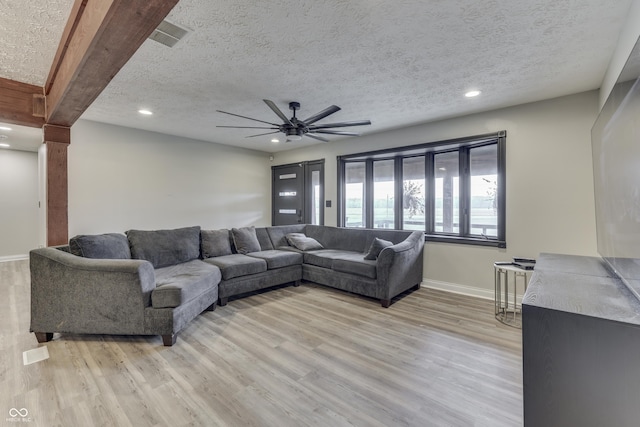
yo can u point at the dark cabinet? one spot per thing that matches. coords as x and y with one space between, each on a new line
580 345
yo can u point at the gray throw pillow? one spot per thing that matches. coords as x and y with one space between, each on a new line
289 237
163 248
100 246
215 243
376 247
245 240
302 242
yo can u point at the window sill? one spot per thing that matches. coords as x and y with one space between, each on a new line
476 241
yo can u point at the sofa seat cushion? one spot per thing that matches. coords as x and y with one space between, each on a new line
237 265
354 263
324 257
183 282
278 259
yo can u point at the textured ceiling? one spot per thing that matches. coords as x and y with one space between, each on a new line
29 35
395 63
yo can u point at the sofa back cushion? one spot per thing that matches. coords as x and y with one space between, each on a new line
215 243
339 238
163 248
263 238
102 246
352 239
245 240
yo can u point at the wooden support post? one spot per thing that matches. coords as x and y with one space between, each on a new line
57 139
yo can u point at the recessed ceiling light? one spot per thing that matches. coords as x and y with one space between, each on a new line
4 128
472 93
275 140
4 145
145 112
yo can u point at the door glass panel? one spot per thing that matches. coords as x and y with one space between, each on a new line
288 176
287 211
316 203
354 194
447 197
383 194
413 193
484 190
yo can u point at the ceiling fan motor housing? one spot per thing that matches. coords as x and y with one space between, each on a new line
294 106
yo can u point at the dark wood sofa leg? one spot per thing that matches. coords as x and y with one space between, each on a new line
44 336
416 287
296 283
223 301
212 307
169 339
385 303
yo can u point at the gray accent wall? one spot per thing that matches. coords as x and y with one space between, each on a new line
18 203
123 178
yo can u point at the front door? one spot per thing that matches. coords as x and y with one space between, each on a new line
298 193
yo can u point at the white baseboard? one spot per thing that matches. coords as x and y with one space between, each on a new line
459 289
13 258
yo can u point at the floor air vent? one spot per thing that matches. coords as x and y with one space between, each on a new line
168 34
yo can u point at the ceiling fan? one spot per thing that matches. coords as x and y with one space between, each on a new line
295 128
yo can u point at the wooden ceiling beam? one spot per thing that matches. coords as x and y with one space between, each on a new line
100 37
21 103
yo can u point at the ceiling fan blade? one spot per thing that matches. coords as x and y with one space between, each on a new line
276 110
321 115
261 134
245 127
341 124
337 132
245 117
319 138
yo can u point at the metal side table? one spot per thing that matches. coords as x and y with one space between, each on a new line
508 302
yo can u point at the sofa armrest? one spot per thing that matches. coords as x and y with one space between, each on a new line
399 267
82 295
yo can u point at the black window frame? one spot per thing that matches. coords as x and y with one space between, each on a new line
460 145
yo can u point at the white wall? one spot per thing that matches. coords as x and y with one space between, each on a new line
121 178
626 41
550 205
18 203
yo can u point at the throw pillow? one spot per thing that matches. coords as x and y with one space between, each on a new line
245 240
101 246
302 242
163 248
215 243
291 236
376 247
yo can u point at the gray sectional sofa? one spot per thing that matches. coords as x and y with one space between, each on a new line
156 282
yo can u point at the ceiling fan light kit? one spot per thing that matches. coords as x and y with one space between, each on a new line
295 128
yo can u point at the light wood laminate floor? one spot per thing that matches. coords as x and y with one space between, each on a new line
305 356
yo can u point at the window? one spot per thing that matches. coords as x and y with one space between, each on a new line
484 191
447 194
452 190
413 193
383 194
354 194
